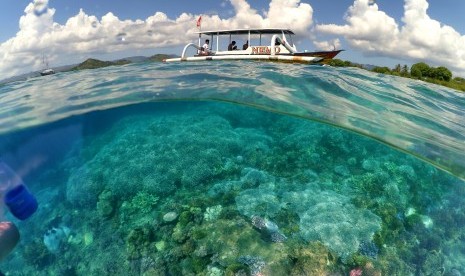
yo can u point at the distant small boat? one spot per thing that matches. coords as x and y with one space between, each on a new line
47 70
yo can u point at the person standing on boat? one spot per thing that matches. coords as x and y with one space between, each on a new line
205 48
232 46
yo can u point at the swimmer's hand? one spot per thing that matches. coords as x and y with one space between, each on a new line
9 237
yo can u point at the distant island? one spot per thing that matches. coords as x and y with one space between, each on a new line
160 57
420 71
92 63
95 63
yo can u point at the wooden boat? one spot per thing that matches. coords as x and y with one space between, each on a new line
280 48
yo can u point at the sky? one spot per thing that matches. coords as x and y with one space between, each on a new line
378 32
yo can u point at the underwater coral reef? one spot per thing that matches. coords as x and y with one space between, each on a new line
221 189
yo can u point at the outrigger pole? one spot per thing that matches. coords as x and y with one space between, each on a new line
199 25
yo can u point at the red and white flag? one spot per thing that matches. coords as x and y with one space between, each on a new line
199 21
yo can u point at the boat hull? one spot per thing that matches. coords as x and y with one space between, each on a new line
47 72
326 55
283 58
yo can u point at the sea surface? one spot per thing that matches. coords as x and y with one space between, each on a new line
236 168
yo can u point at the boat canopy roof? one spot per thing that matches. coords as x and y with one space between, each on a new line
246 31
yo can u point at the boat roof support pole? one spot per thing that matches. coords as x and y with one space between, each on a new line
217 42
248 38
211 39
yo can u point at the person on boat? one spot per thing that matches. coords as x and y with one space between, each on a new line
246 45
232 46
205 48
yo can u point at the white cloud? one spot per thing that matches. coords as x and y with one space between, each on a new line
418 38
290 14
328 45
84 35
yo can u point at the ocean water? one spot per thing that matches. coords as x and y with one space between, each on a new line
236 168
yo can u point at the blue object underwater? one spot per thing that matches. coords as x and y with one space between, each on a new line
21 202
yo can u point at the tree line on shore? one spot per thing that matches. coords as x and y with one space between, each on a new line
422 71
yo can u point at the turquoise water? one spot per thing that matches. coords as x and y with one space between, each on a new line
238 168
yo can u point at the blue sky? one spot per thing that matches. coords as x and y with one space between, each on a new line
369 33
326 11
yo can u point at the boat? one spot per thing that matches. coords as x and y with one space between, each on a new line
280 47
47 70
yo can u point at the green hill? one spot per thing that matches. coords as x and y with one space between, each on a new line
160 57
95 63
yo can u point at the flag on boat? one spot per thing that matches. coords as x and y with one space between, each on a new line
199 21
